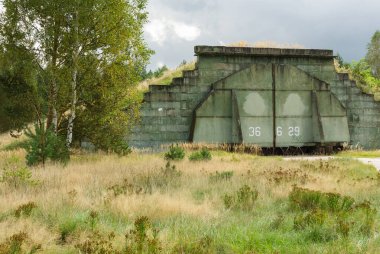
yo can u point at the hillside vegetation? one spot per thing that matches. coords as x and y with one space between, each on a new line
167 76
228 203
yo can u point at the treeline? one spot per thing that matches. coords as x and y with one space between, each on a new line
71 68
366 72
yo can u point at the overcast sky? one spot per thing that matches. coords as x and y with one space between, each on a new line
176 26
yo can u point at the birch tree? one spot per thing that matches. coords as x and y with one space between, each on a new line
88 56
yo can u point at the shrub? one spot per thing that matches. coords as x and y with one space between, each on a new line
168 176
98 243
66 228
25 209
44 144
143 238
14 245
305 199
315 217
326 215
203 154
243 199
175 153
223 176
16 175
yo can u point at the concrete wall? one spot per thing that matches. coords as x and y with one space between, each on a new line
167 111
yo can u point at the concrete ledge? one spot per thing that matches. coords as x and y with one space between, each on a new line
221 50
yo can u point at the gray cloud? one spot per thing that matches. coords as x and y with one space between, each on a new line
345 26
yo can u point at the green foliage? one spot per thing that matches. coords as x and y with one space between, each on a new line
93 219
25 209
43 145
16 175
243 199
373 54
94 49
362 73
326 216
306 199
202 155
222 176
175 153
143 238
18 89
67 228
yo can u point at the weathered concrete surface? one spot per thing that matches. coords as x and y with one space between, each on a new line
167 111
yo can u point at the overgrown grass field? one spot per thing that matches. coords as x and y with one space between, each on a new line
233 203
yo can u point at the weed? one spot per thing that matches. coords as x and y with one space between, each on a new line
202 155
168 176
223 176
204 245
175 153
125 188
277 222
243 199
25 209
287 175
326 215
14 245
143 238
67 228
72 195
93 219
320 234
312 218
228 201
17 176
366 216
305 199
98 244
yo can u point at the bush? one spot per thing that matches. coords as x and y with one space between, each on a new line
143 238
203 154
305 199
16 175
175 153
326 215
44 144
223 176
25 209
243 199
98 243
15 245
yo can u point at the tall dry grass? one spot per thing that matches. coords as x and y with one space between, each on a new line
188 206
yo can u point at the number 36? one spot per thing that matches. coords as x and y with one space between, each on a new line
254 131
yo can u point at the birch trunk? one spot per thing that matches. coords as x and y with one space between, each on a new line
74 77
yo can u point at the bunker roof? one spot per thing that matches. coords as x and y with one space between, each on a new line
247 51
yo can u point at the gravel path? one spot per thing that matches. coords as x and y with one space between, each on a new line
373 161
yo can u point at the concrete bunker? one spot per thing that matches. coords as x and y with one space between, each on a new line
263 96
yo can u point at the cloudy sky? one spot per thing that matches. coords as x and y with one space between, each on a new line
176 26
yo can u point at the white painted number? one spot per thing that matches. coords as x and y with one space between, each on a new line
294 131
297 131
254 131
279 131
